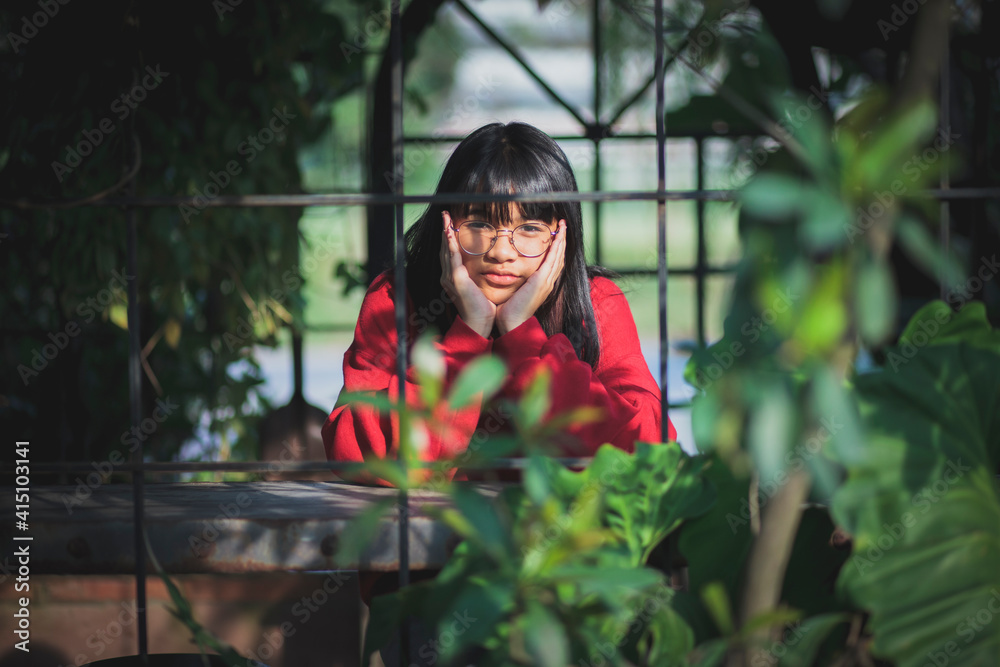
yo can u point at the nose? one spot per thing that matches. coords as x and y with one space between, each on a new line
502 249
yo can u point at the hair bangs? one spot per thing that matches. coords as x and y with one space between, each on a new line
507 172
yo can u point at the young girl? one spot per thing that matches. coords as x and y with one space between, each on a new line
508 279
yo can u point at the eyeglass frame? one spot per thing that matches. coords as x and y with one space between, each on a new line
496 235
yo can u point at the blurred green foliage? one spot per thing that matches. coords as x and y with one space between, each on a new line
922 500
240 91
831 220
547 573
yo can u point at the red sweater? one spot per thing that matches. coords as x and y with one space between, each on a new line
621 386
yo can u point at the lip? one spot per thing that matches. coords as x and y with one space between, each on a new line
501 279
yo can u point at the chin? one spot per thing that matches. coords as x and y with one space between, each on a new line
499 298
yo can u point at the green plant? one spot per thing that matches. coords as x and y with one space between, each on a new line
816 284
922 500
558 568
554 568
554 571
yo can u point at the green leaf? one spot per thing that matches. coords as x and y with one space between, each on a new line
481 375
649 493
822 228
896 142
484 518
545 638
768 620
535 401
667 638
824 317
937 324
536 480
717 602
714 554
706 415
875 301
608 582
566 484
926 252
803 641
710 654
478 609
923 505
812 132
837 412
774 196
771 427
429 364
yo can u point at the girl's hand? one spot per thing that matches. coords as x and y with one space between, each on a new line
473 307
532 294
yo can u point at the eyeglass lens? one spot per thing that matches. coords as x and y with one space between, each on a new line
477 237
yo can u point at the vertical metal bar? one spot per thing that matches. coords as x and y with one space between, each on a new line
298 396
598 254
135 399
701 265
945 181
396 46
661 218
598 87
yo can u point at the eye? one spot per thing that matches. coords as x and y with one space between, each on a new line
533 229
478 226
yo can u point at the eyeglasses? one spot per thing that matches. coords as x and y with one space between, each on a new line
478 238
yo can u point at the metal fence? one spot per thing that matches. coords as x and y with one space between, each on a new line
597 131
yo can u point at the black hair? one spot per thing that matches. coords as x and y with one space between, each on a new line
504 159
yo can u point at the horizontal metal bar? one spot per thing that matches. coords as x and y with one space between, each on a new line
627 136
449 139
359 199
683 271
254 201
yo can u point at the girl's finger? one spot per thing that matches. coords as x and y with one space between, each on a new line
447 248
453 250
557 253
561 239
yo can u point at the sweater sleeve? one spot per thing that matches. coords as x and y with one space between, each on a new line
621 387
355 431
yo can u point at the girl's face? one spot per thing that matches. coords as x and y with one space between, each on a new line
502 270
